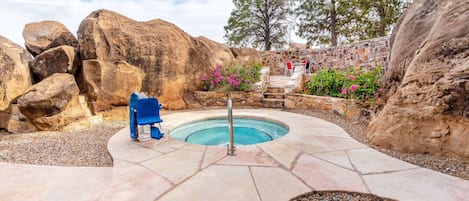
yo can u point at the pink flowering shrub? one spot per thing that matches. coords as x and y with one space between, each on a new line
354 83
231 77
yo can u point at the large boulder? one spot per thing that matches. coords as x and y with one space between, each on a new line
15 77
62 59
219 53
41 36
172 60
428 79
110 84
246 55
52 103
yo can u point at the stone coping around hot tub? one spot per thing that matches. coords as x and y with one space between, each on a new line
170 128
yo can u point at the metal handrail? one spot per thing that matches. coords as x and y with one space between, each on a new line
230 147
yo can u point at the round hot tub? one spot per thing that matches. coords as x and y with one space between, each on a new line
215 131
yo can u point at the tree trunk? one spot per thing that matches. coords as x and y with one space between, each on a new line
382 17
267 43
333 24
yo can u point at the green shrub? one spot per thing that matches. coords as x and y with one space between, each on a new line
354 83
326 82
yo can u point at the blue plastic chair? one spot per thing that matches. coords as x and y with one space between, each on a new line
147 112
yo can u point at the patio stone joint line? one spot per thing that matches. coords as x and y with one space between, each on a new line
355 169
393 171
202 159
255 184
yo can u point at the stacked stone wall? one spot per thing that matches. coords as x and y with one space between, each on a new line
366 54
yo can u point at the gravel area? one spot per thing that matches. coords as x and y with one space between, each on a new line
339 196
357 129
73 148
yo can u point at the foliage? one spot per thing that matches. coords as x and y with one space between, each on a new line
260 23
354 83
375 18
326 82
320 21
232 77
333 21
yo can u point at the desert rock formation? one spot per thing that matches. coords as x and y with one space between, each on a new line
428 80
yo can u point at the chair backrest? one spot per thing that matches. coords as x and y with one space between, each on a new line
147 107
289 66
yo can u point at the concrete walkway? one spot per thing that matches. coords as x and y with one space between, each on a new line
314 155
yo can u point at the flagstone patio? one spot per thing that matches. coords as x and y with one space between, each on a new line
314 155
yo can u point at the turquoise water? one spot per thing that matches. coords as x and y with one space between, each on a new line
215 131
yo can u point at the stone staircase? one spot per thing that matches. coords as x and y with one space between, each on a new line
274 97
279 87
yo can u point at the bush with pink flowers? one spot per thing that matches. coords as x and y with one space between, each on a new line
231 77
354 83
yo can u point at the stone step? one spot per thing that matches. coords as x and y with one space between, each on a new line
273 103
275 90
274 95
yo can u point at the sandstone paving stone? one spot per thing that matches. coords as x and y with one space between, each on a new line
35 182
418 184
321 175
306 143
338 143
217 182
119 139
176 166
371 161
134 153
330 132
249 155
277 184
284 154
337 157
132 182
193 147
167 146
212 155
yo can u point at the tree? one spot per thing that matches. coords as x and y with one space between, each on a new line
331 21
380 15
260 23
319 21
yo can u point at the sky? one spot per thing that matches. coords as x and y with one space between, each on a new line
196 17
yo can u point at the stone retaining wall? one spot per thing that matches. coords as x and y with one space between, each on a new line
345 107
366 54
239 98
338 105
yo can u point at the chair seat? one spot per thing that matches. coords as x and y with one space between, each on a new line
149 120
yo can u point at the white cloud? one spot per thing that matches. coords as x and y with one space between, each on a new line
196 17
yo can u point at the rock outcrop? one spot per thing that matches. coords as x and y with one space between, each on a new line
428 79
109 84
18 123
52 103
62 59
15 77
40 36
172 60
246 55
